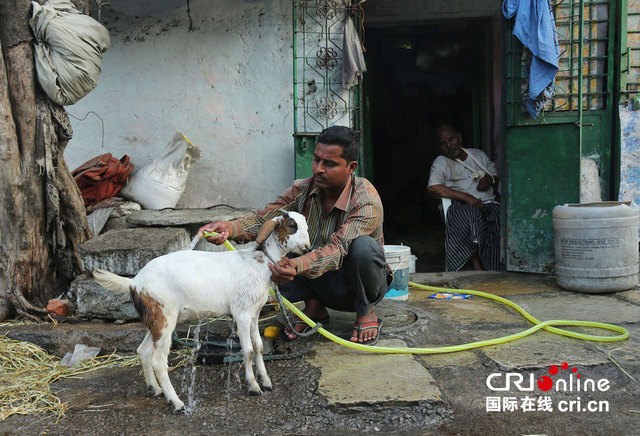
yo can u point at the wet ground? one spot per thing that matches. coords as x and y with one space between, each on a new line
442 394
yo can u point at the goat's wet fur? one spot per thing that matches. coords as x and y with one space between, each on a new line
189 285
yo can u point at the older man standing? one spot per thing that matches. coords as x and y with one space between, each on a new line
467 177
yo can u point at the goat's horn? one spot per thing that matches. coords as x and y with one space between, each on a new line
265 231
284 213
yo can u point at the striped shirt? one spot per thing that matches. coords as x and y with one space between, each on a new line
357 212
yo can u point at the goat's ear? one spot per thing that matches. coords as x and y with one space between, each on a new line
266 230
284 213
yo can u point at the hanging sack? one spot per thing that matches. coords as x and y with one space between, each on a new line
68 50
102 177
160 184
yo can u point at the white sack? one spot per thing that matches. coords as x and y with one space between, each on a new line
161 183
68 50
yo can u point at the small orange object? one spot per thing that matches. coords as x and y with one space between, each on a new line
271 332
58 307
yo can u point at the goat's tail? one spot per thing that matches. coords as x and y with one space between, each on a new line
111 281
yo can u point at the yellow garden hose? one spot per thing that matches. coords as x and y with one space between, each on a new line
537 325
226 242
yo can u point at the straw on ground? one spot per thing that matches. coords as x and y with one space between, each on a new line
27 372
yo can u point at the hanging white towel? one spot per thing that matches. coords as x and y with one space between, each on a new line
353 65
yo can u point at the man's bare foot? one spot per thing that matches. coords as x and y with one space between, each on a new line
369 327
314 310
476 263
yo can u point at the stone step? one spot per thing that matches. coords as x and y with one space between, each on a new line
191 219
185 217
94 301
356 378
126 251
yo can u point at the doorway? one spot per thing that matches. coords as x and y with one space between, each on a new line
420 77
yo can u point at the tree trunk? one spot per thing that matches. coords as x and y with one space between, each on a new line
42 215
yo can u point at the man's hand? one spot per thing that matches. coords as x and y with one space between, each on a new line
284 271
485 182
474 201
223 228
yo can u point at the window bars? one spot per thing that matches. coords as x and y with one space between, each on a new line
585 42
319 99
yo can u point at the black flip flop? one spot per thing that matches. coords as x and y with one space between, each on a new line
296 320
360 326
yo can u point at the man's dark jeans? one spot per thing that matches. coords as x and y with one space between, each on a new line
356 287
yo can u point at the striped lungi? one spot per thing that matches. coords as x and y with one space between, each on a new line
469 230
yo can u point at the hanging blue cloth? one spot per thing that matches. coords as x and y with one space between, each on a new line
536 30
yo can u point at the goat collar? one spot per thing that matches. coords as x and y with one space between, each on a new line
262 248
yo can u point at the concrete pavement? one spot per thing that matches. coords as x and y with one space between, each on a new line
451 322
490 390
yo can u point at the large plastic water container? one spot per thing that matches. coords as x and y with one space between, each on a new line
596 246
398 258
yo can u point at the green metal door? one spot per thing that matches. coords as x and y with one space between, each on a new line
543 156
319 98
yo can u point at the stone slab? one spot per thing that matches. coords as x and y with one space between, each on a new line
498 283
473 310
352 377
632 296
579 306
94 301
507 288
543 349
186 217
460 358
450 278
126 251
117 223
625 353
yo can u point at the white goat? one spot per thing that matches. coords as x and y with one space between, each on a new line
187 285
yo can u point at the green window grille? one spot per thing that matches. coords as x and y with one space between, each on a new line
585 40
319 99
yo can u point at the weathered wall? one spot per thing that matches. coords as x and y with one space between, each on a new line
226 85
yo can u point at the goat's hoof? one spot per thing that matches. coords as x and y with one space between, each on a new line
184 410
154 393
267 388
255 393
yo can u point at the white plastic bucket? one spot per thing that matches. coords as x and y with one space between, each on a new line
412 264
398 258
596 246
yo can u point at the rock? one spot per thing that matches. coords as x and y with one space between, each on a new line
5 308
60 307
117 223
94 301
126 251
186 217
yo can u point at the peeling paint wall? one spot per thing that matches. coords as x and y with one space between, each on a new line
226 85
630 154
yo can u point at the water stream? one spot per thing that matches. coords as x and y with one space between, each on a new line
191 402
194 242
229 353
